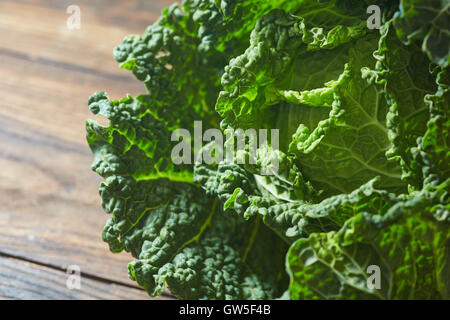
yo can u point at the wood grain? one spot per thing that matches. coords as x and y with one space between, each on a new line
50 210
24 280
39 29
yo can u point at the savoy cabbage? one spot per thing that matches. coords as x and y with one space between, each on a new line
363 177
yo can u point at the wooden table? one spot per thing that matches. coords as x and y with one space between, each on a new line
50 212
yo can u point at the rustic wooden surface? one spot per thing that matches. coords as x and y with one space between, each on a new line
50 212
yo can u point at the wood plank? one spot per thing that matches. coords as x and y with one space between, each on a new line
53 97
48 193
49 205
111 11
38 29
50 209
24 280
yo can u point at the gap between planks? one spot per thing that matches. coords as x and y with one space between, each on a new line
89 276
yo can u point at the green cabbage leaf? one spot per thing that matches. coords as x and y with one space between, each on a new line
358 204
